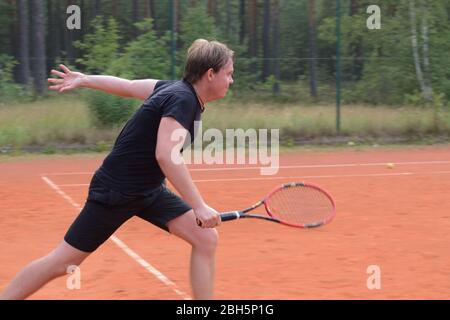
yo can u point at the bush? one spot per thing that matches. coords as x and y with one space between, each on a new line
109 111
10 91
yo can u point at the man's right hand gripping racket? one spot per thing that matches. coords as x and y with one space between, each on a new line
295 204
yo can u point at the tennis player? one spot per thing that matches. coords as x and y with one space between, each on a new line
131 180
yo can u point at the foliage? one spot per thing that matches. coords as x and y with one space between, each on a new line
10 91
377 65
107 110
101 46
145 57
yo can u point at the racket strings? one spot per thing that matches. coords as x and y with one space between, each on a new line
300 205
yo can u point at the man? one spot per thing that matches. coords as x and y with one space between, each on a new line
131 180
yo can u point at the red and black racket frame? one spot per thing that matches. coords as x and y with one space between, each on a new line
240 214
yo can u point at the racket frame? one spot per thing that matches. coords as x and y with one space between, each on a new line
232 215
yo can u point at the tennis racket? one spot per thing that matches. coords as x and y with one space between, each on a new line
295 204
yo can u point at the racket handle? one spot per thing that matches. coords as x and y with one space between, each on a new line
231 215
225 216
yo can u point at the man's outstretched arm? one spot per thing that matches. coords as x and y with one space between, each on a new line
70 80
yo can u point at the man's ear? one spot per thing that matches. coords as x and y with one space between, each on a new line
210 73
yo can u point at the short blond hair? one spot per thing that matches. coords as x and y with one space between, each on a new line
203 55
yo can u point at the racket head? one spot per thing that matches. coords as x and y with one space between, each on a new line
301 205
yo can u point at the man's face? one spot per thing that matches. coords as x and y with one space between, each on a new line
222 80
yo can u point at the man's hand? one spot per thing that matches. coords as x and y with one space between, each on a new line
68 80
207 217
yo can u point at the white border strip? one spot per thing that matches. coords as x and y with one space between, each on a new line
397 174
147 266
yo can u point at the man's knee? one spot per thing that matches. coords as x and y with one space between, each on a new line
207 239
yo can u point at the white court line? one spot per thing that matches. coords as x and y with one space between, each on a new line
329 176
282 167
160 276
400 174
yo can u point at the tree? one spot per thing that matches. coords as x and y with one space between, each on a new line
276 47
24 56
253 34
144 57
150 12
228 18
135 15
38 45
97 6
242 21
355 46
69 38
266 41
100 48
212 9
421 72
312 61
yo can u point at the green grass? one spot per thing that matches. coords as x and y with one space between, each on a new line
65 120
57 120
300 122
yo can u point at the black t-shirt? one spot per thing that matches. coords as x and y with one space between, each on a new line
131 167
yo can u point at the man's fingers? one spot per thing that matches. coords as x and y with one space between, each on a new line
56 88
66 88
64 68
59 74
54 80
211 223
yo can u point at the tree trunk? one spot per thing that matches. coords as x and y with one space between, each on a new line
266 41
114 9
24 56
355 48
58 32
12 43
54 22
354 7
312 47
426 60
97 8
426 90
135 16
242 21
175 21
68 37
212 8
49 37
150 12
38 45
135 11
276 47
228 19
253 40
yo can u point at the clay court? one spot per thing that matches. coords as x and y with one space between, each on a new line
395 218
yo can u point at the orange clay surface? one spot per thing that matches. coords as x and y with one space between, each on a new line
395 218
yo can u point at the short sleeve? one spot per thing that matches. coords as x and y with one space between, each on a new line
161 83
182 109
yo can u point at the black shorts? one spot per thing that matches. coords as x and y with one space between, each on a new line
106 210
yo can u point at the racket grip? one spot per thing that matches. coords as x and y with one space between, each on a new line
231 215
